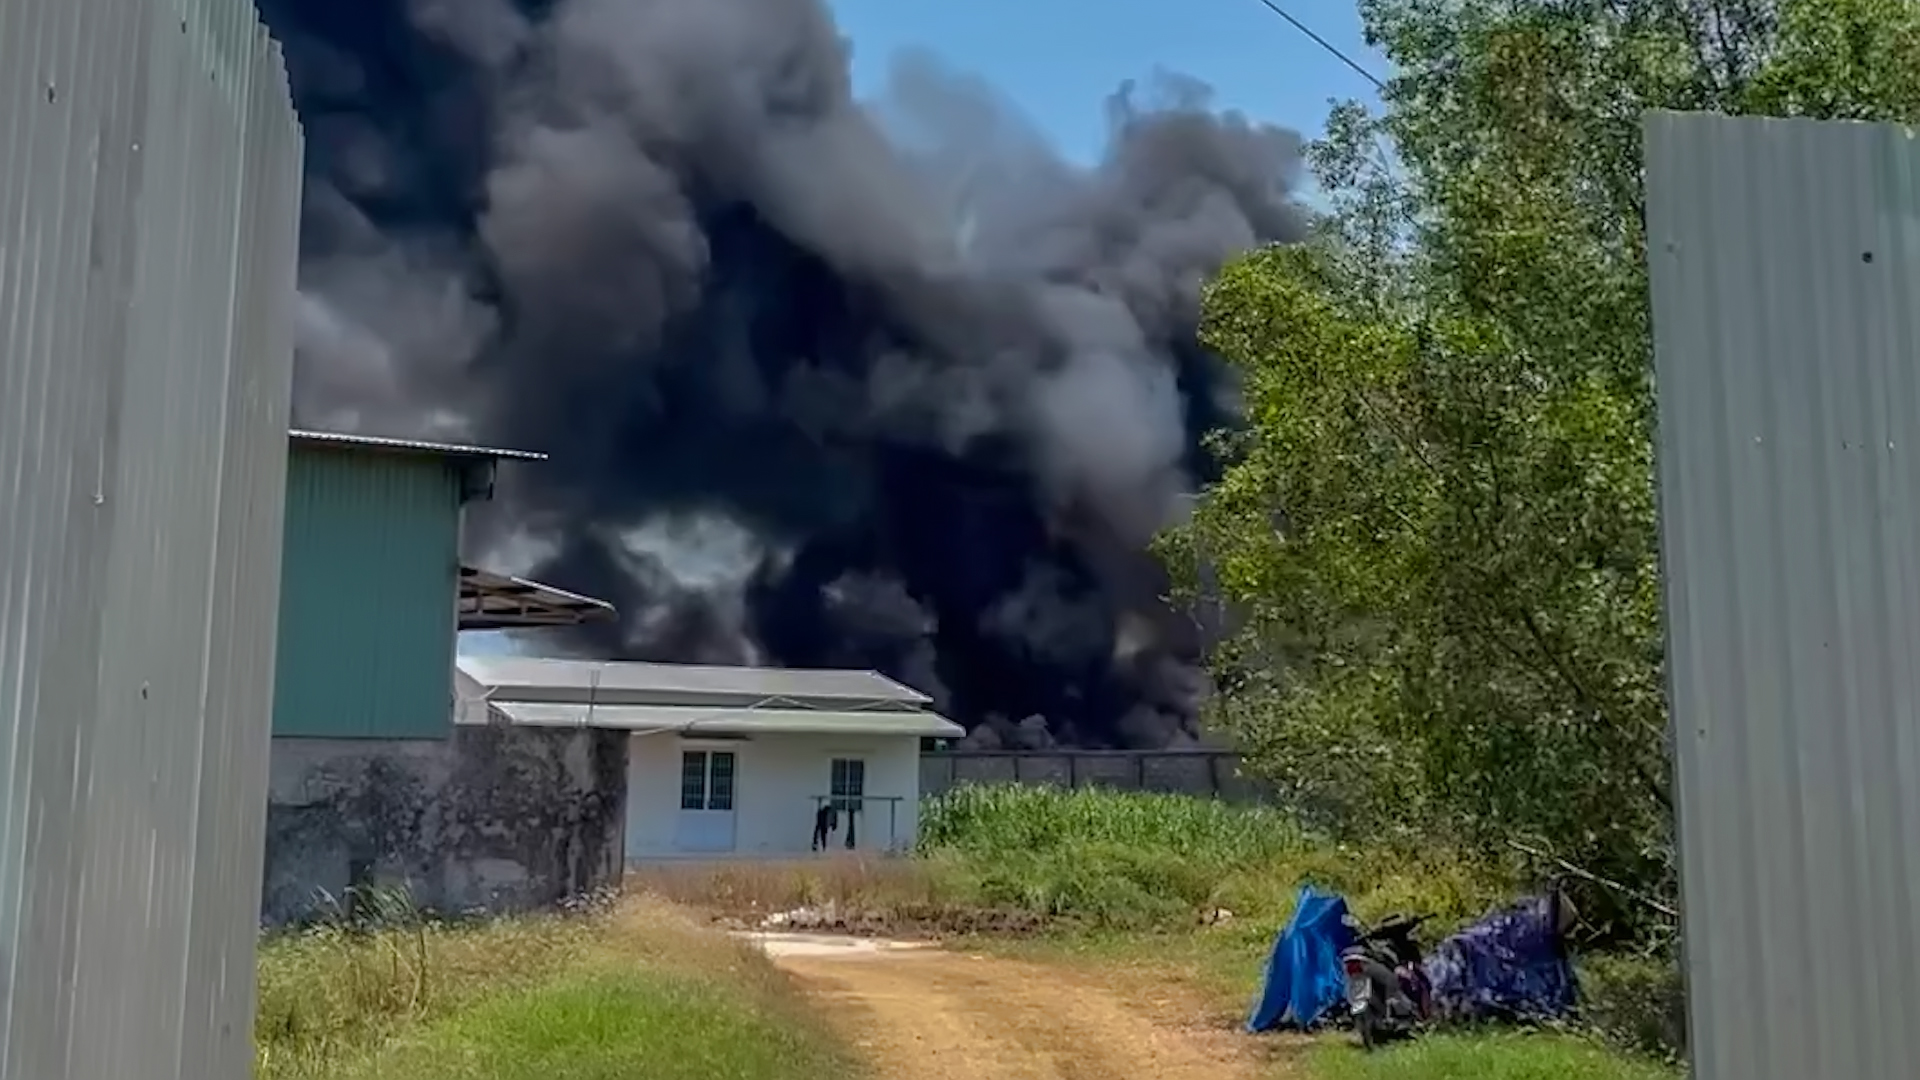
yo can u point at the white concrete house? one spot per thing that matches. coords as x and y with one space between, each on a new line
728 762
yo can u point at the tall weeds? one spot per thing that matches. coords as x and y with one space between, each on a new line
1138 860
376 964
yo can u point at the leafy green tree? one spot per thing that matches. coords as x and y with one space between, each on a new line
1437 534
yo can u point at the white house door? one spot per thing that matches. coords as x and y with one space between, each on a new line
706 822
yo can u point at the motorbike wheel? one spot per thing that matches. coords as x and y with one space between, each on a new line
1367 1026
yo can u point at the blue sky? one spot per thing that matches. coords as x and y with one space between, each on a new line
1059 59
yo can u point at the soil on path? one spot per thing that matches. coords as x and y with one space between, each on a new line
930 1014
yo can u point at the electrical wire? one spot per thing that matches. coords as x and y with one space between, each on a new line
1273 6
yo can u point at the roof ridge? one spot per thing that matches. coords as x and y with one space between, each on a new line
769 681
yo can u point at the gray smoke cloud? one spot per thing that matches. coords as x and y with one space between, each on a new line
823 380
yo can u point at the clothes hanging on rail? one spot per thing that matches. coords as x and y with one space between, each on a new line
826 821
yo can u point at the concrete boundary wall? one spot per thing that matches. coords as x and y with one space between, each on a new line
493 819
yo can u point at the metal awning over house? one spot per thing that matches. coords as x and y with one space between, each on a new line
694 699
410 446
490 601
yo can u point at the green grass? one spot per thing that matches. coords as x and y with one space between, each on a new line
636 991
331 993
1134 861
1091 860
611 1025
1502 1056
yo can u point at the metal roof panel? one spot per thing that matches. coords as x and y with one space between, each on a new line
528 678
703 721
410 446
490 601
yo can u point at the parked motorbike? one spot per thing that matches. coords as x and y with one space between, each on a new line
1388 996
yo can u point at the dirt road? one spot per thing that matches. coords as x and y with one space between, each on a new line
928 1014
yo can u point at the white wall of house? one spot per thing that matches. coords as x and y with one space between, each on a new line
774 781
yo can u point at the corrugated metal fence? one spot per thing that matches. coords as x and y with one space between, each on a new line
1785 260
149 188
1203 773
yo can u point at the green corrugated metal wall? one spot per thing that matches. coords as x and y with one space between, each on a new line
367 595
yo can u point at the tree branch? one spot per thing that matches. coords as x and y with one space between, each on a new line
1588 875
1654 787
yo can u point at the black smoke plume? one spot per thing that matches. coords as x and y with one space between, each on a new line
824 382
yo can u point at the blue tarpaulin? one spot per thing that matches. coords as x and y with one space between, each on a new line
1304 979
1510 965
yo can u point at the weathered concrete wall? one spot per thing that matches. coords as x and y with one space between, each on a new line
492 818
1207 774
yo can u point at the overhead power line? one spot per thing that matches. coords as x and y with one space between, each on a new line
1274 6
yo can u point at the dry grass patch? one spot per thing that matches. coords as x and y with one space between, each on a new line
334 991
850 894
640 986
1014 860
749 888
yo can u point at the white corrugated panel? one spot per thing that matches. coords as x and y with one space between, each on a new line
1785 259
149 188
531 678
691 720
